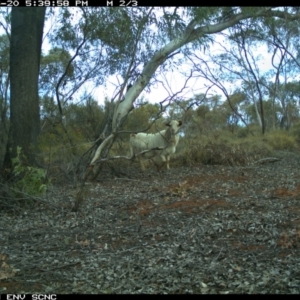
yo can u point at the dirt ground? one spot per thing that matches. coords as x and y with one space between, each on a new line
197 229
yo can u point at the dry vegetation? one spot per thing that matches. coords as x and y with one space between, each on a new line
227 226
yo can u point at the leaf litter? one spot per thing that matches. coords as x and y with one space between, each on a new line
203 229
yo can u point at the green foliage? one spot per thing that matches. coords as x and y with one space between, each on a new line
82 121
272 113
295 131
220 147
85 119
141 117
281 140
250 130
30 180
53 65
58 146
63 142
203 14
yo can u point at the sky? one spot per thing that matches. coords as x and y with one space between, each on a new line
176 80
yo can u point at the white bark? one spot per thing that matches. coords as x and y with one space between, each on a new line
100 148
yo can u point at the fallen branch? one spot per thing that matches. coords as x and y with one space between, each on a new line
267 160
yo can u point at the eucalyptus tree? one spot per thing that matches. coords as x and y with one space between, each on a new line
25 49
285 98
283 40
236 64
191 31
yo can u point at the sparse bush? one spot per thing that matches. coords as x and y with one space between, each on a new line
188 152
222 148
250 130
29 180
61 152
281 140
295 132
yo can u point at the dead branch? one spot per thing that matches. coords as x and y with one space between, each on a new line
267 160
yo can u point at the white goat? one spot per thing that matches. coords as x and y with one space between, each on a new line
161 144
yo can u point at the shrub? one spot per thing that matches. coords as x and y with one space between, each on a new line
281 140
29 180
295 131
222 148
